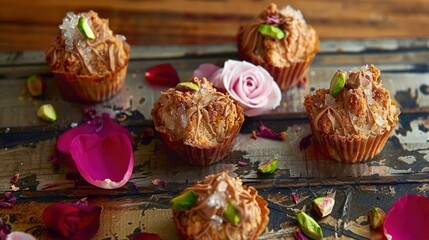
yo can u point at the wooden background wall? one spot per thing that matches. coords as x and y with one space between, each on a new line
31 24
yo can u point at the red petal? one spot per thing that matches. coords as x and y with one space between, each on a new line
146 236
162 75
407 218
264 131
72 221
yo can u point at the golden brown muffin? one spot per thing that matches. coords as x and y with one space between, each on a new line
206 220
286 59
89 70
198 126
355 125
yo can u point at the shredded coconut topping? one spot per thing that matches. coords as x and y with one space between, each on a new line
363 107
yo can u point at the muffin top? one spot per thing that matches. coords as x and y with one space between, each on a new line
299 43
199 117
207 216
74 53
362 108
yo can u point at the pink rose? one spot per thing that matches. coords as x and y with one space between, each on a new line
251 86
72 220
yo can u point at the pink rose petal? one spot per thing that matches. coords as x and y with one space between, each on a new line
264 131
211 72
243 163
408 218
162 75
101 153
159 182
103 161
19 236
72 221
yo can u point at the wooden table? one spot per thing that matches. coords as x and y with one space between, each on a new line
26 144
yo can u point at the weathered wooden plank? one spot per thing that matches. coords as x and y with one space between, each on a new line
122 217
200 22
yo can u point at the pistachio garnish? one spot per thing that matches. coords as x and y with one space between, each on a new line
376 217
35 85
184 201
268 166
47 113
187 87
337 83
231 214
309 226
85 29
323 206
271 31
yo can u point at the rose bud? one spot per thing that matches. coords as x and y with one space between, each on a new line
72 221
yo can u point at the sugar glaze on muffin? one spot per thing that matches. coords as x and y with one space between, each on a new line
300 42
205 219
204 117
362 108
73 53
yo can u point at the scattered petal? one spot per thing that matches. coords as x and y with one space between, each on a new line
146 236
305 142
164 75
105 169
407 218
20 236
295 197
72 221
243 163
5 204
159 182
86 144
49 185
299 235
264 131
15 178
5 229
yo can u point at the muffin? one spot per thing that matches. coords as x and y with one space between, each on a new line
352 123
222 208
281 42
87 60
196 122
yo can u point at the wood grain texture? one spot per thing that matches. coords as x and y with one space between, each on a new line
27 144
26 25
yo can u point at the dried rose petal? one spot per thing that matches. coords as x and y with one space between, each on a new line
407 218
5 229
102 154
146 236
295 197
264 131
5 204
72 221
103 162
15 178
298 235
305 142
162 75
159 182
273 20
19 236
243 163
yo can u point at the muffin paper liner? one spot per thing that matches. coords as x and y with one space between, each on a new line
201 155
286 77
87 88
263 205
351 149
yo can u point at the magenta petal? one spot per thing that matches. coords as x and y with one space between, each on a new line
162 75
103 161
408 218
